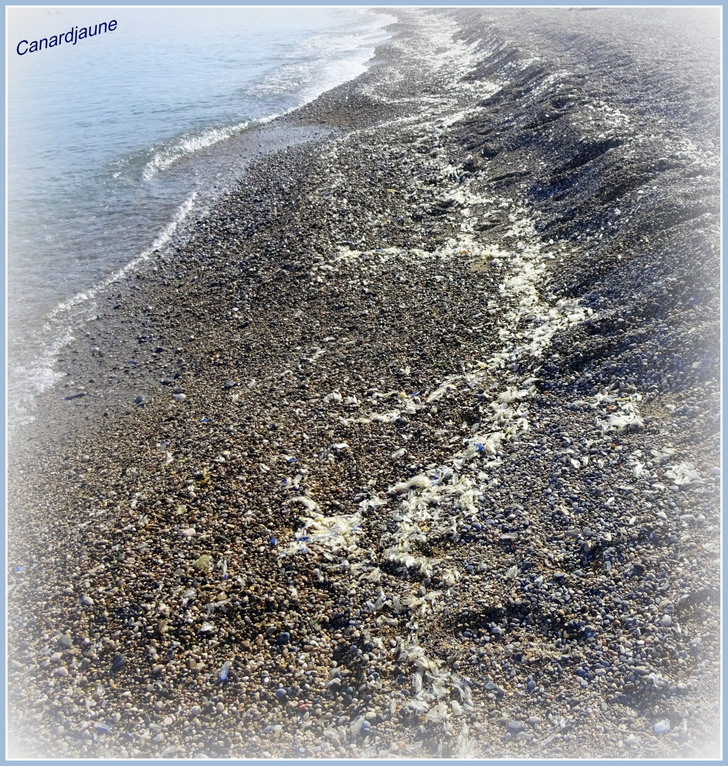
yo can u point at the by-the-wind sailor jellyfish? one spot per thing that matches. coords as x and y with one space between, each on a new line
225 671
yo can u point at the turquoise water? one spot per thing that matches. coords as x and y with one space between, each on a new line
115 142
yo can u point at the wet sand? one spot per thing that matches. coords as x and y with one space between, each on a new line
412 449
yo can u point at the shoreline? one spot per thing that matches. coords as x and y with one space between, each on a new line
35 361
426 459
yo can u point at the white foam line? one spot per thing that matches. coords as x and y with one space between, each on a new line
165 156
437 509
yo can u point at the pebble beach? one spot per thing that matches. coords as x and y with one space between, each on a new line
411 448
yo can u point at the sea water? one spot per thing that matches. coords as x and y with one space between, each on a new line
116 141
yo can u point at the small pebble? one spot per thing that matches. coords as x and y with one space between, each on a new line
203 563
